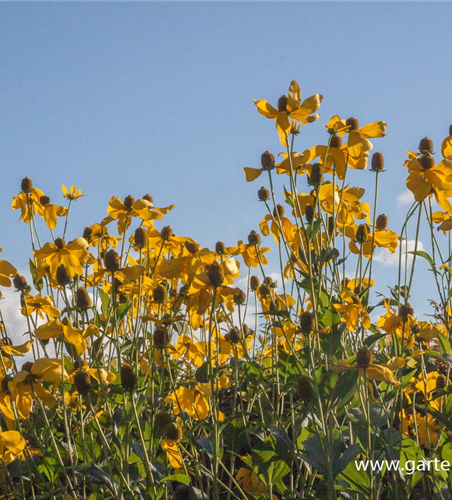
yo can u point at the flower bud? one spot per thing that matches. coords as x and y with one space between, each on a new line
382 221
263 194
83 299
112 261
305 390
378 162
264 290
352 123
128 378
364 358
267 160
215 273
426 145
149 198
26 185
254 238
141 237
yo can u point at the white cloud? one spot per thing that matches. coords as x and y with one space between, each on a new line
405 198
392 259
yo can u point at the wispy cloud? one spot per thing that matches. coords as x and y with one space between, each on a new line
392 259
405 198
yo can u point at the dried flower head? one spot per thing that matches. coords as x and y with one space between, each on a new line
112 261
215 273
263 194
129 201
305 389
220 248
364 357
254 283
382 221
282 103
162 420
82 382
309 213
166 233
426 145
278 211
306 322
352 124
254 238
159 294
141 237
362 233
26 185
174 432
406 310
88 234
378 162
160 338
315 176
128 378
82 298
335 141
20 283
427 162
267 160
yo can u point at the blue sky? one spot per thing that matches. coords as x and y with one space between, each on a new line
135 98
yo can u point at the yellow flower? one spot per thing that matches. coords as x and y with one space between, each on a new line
56 328
192 401
73 255
380 372
41 306
290 108
7 271
12 445
352 311
29 204
425 180
73 193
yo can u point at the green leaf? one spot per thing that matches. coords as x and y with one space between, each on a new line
444 343
425 256
38 284
180 478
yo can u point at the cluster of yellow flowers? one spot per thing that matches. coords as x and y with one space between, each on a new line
151 374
